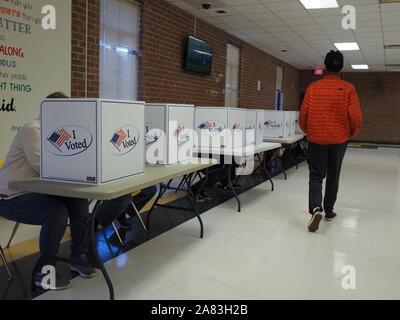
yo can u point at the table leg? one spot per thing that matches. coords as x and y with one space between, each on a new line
231 185
189 195
160 194
279 162
264 166
288 147
190 182
92 240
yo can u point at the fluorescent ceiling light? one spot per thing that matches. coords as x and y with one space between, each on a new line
122 49
360 66
319 4
347 46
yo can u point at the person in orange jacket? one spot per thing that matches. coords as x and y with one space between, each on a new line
330 116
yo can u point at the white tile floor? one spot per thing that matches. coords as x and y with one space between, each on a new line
266 252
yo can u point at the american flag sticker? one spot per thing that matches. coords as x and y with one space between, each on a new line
118 138
58 137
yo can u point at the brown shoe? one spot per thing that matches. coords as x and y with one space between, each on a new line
314 222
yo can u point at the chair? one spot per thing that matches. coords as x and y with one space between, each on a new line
16 224
2 255
3 259
113 223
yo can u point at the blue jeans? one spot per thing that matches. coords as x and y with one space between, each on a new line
52 213
114 208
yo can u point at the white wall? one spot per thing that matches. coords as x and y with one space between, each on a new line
46 62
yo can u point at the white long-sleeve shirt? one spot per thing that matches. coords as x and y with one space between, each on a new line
23 159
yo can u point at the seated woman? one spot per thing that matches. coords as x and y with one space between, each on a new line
116 209
51 212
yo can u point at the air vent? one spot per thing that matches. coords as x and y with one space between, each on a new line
389 1
393 67
392 46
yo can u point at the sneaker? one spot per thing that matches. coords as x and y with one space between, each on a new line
123 223
206 196
84 271
199 199
315 220
60 284
330 217
227 187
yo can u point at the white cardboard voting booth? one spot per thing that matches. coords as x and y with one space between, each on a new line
297 126
251 125
169 133
91 141
277 124
220 127
293 124
254 126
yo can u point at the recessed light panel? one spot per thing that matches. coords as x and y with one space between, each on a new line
319 4
347 46
360 66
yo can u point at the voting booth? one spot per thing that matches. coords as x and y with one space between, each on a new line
91 141
254 126
169 133
297 128
293 124
220 127
277 124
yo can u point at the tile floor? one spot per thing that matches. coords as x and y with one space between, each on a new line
266 252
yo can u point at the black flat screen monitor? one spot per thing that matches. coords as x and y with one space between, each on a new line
198 56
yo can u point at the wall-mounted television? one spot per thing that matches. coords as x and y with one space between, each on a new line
198 56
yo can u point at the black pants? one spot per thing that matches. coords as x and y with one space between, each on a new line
114 208
324 161
219 172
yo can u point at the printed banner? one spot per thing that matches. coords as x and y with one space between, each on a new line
35 60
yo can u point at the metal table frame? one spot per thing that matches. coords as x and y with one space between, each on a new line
106 192
239 152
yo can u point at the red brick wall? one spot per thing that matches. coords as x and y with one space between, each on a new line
379 96
163 79
164 29
78 42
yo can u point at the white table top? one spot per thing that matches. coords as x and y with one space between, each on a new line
239 152
288 140
151 176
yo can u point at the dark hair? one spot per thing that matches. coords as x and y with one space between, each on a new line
57 95
334 61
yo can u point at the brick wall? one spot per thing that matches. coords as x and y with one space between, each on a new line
163 79
379 96
78 42
164 29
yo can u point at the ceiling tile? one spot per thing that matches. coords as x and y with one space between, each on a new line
286 6
358 2
261 16
299 21
255 8
326 12
390 7
291 14
232 19
234 3
270 23
370 8
228 12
